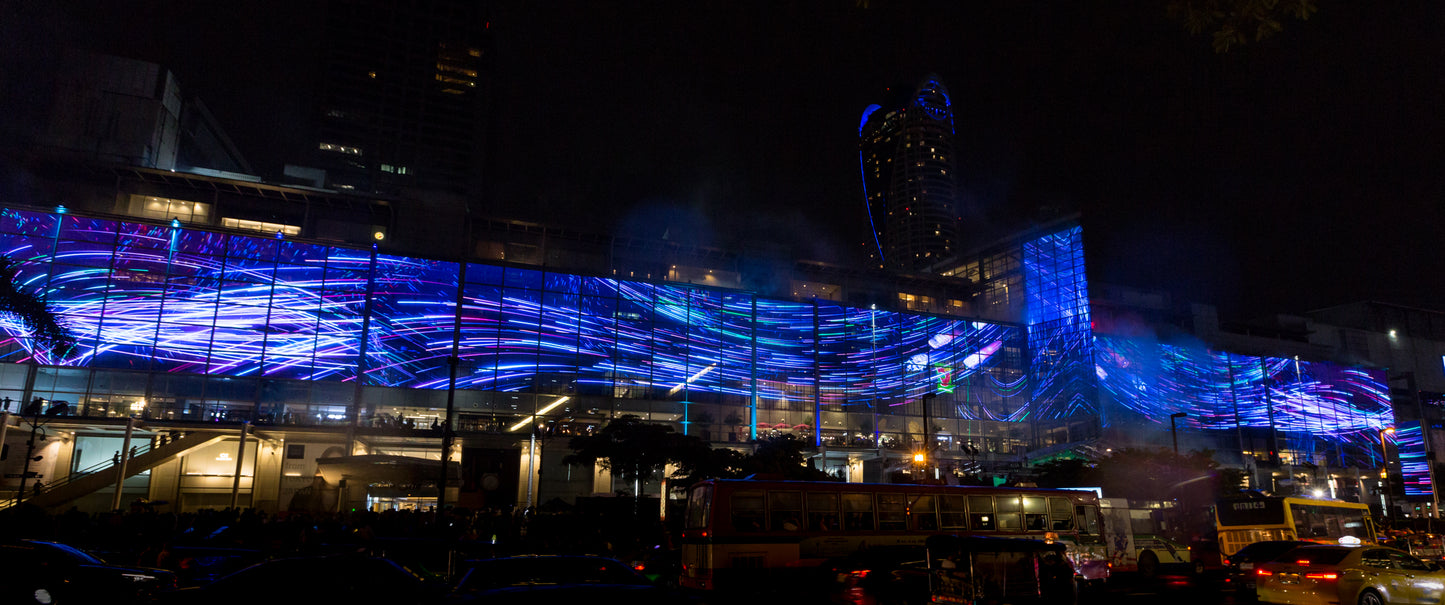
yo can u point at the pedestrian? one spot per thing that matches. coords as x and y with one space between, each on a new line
116 458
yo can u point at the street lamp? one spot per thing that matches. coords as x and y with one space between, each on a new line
1385 462
1174 430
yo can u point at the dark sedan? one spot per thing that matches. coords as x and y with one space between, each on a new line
50 572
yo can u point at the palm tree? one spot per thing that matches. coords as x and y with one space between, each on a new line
31 311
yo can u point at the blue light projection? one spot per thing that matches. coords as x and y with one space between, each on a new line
1309 405
167 299
1414 463
1060 335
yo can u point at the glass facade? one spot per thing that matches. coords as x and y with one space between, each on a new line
187 324
1301 412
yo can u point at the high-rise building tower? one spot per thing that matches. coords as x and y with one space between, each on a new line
905 153
403 96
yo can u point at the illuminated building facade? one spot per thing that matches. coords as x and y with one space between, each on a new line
910 183
190 328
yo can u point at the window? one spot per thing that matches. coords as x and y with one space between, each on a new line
260 226
1008 512
699 507
823 512
785 511
747 511
980 513
164 208
1036 515
952 512
1061 514
922 514
295 451
892 510
857 512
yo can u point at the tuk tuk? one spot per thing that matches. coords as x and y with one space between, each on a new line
967 570
976 570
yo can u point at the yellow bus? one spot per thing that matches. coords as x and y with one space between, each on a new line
1244 520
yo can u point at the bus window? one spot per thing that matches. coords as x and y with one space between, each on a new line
747 510
1061 514
952 512
892 508
858 512
922 515
1008 512
1088 517
699 507
822 512
980 513
1036 513
785 511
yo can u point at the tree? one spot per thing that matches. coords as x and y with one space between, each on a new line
1065 472
782 456
1234 22
629 448
48 334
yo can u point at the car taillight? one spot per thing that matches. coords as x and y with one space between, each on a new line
860 573
1322 576
1263 572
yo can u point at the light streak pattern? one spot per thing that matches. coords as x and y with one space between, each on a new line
169 299
1309 404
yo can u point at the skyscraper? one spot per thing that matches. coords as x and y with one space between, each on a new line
403 96
905 154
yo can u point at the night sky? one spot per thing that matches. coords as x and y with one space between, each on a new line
1287 175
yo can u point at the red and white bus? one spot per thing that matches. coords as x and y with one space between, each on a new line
738 532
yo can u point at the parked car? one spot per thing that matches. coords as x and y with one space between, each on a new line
1363 575
1239 572
556 579
42 572
351 579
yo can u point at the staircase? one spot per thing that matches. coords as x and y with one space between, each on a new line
100 476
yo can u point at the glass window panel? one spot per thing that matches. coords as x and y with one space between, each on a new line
28 223
922 513
858 512
81 229
823 512
952 512
138 236
747 511
484 274
523 278
85 254
892 509
785 511
255 248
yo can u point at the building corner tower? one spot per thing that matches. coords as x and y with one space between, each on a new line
910 186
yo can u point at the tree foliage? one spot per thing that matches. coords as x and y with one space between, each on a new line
632 449
32 312
1234 23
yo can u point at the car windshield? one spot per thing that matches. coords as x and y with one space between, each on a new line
500 573
81 556
1316 555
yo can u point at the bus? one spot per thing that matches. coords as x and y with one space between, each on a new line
1137 532
738 532
1244 520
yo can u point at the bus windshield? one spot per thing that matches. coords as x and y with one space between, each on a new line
1244 521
